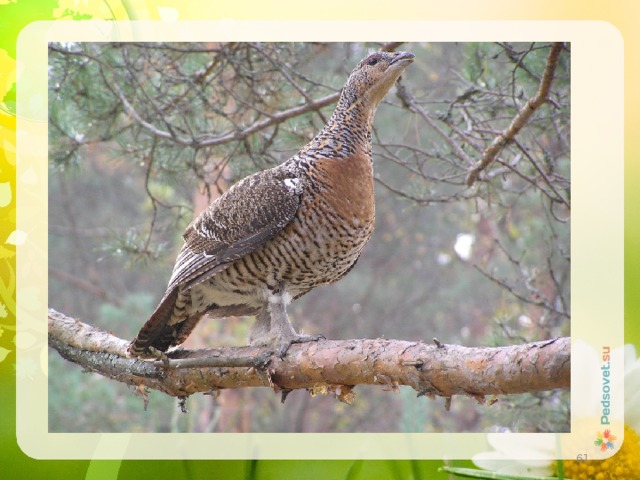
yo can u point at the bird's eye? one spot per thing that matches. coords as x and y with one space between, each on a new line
372 61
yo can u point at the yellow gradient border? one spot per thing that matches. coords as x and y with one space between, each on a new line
597 239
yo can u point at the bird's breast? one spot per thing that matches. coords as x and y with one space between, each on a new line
345 187
335 219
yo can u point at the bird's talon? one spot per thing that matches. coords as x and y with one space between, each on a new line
308 338
263 359
284 347
153 354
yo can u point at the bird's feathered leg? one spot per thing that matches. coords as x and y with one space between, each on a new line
273 327
259 333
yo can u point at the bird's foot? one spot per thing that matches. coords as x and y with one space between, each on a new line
287 342
262 360
149 353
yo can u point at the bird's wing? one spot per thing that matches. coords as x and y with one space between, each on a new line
244 218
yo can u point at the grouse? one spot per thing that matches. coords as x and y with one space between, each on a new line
277 234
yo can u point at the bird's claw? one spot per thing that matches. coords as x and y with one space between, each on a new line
262 360
284 346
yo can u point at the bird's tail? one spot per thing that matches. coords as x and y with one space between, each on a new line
158 332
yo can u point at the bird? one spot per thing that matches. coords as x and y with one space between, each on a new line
281 232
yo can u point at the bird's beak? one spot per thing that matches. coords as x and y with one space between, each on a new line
403 58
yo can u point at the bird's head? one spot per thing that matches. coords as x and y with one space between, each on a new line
374 76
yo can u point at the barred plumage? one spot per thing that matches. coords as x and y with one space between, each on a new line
279 233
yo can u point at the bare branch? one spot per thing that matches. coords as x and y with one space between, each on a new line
558 196
205 140
212 140
327 366
289 78
410 102
209 140
521 119
538 302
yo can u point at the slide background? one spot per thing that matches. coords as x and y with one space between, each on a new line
15 15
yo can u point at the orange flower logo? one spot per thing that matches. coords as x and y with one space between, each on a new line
605 440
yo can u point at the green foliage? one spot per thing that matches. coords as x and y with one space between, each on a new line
473 473
133 247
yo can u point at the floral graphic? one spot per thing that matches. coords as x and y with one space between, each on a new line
605 440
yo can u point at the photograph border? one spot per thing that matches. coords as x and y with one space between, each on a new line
597 278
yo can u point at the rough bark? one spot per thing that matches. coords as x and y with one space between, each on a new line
327 366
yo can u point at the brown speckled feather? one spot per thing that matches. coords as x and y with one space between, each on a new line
232 226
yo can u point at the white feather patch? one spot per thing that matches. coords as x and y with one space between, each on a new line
292 184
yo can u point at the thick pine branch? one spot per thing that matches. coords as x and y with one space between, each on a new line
322 367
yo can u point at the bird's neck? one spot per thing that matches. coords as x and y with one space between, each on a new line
347 132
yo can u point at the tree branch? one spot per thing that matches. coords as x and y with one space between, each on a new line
204 140
521 119
328 366
409 101
209 140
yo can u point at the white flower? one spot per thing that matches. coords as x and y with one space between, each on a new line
514 446
631 388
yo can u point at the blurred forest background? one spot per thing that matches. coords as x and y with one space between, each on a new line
143 136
